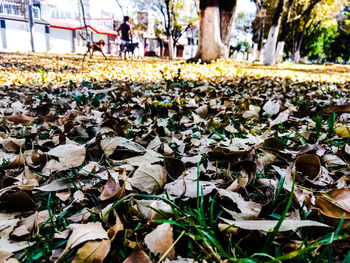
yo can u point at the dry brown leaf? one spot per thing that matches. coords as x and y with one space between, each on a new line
118 226
5 255
19 119
147 209
202 111
109 145
138 256
273 144
347 149
334 205
52 166
307 166
337 109
90 168
84 232
19 162
63 196
112 189
12 260
26 225
247 209
13 246
188 188
160 240
13 144
149 178
69 155
93 252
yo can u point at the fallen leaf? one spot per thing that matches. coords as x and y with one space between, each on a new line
333 160
281 118
112 189
93 252
307 166
69 155
247 209
82 233
54 186
272 107
342 131
337 109
148 178
13 144
160 240
5 255
109 145
334 205
138 256
19 118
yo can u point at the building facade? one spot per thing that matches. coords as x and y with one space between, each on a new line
57 25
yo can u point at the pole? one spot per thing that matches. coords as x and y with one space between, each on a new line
31 23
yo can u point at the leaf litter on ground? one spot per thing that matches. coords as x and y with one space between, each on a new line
119 162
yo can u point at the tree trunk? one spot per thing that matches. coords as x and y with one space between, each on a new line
215 29
279 51
270 46
170 30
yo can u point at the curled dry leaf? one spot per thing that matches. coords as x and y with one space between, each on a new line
183 187
138 256
334 205
13 144
69 155
160 240
273 144
19 162
93 252
90 168
148 178
307 166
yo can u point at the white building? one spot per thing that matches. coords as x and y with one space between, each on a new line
15 33
57 26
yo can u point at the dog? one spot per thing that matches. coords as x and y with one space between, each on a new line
128 48
95 46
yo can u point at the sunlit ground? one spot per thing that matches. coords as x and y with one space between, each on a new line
28 69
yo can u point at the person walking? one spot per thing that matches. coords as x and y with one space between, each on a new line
126 35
